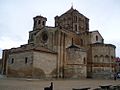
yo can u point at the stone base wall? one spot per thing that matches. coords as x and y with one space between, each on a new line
21 72
103 75
44 65
39 73
75 72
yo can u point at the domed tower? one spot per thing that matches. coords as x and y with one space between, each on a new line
39 22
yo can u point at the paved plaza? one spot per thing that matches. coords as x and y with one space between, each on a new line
36 84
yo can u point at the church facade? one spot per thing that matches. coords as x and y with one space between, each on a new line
67 50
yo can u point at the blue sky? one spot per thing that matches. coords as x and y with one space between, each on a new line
16 18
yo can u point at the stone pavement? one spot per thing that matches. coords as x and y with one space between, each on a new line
36 84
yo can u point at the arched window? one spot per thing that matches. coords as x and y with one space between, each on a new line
35 22
81 42
96 38
101 58
112 59
75 27
84 60
75 18
107 59
26 60
43 23
39 21
95 58
12 60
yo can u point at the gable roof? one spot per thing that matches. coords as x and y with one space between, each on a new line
70 11
97 32
27 48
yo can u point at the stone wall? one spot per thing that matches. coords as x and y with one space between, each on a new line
47 38
44 65
103 60
75 71
96 37
5 55
20 64
75 65
72 20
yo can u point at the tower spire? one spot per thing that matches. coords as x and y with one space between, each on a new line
72 5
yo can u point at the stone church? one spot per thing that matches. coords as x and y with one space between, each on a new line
68 50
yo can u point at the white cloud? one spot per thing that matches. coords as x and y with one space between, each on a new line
7 43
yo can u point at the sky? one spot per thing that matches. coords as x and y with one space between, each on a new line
16 18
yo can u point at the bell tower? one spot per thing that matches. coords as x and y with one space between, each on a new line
39 22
